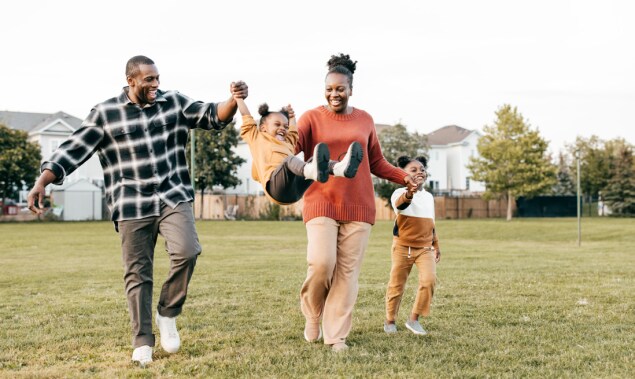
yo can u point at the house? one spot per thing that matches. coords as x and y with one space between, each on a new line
248 185
450 150
49 130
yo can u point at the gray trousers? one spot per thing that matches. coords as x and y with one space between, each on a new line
287 183
138 239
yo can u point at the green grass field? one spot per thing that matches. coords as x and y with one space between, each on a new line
515 299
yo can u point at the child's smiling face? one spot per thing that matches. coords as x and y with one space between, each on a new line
417 171
276 125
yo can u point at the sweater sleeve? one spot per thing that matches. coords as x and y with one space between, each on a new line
304 136
399 200
435 237
248 130
379 166
292 135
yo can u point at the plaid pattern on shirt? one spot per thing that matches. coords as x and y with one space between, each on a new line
142 151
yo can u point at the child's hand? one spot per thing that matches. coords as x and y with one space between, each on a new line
411 184
290 111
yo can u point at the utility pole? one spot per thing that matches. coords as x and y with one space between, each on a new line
577 157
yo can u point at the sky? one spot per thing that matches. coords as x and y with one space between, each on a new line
568 66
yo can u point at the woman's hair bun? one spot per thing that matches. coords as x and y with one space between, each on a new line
342 60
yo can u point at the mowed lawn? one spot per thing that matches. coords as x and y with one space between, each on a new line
515 299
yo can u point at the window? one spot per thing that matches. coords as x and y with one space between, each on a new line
55 143
467 183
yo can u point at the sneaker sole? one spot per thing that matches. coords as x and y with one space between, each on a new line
356 154
322 155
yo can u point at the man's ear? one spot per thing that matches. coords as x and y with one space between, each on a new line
130 80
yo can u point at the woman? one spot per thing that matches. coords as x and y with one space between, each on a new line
339 214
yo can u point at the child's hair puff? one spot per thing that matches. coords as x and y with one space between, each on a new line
263 111
403 161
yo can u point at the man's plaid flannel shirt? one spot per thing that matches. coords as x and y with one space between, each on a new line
142 151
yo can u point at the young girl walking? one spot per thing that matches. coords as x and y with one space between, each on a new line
284 176
415 242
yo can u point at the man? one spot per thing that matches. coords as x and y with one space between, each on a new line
140 137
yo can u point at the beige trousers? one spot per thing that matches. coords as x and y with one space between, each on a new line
403 258
335 252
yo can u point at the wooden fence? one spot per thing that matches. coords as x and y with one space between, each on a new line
221 207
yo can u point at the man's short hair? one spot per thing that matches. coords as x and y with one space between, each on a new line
132 67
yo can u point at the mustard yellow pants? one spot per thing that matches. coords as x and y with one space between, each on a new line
403 258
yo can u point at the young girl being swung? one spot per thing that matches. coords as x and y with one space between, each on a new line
284 176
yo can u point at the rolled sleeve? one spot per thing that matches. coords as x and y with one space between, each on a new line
56 169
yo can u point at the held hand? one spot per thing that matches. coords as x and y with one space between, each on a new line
239 89
36 193
411 184
289 109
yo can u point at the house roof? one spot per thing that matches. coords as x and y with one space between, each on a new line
448 134
33 122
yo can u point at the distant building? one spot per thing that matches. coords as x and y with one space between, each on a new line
451 148
49 130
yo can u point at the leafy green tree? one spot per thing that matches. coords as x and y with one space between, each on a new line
564 181
19 161
513 160
216 162
396 141
619 194
595 165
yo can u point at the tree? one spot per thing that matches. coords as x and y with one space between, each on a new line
564 183
216 162
595 165
513 160
19 161
396 141
619 194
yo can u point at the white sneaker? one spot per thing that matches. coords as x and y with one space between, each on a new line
142 355
318 168
390 328
415 327
348 166
170 340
